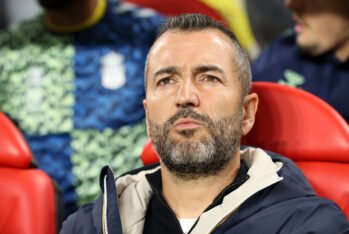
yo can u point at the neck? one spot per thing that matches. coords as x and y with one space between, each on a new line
342 53
79 15
188 199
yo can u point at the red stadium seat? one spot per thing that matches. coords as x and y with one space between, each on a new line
27 203
299 125
176 7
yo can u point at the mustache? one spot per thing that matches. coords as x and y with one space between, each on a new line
188 113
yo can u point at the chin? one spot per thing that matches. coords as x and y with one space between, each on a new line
310 47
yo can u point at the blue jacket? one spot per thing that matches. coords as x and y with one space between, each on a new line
325 76
275 199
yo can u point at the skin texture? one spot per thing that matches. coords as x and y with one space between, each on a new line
195 71
322 26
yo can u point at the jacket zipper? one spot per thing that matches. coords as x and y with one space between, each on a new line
172 213
223 220
105 206
233 211
218 198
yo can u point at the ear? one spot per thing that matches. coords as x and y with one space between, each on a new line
146 115
249 109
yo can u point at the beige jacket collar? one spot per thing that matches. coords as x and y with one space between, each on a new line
134 193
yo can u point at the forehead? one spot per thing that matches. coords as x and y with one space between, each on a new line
205 46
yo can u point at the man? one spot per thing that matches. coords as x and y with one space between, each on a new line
197 107
315 56
65 78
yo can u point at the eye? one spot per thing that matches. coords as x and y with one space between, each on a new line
211 78
165 81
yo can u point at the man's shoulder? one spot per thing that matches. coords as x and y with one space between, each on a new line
304 214
293 185
80 222
312 214
290 206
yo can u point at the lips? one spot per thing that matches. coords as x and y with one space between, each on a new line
299 24
298 28
186 123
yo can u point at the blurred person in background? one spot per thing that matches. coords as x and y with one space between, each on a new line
72 79
314 55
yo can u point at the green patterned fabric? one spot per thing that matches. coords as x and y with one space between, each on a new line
94 149
30 87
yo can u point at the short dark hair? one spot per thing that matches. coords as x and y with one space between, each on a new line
199 22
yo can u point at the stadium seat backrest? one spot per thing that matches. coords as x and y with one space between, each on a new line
27 203
176 7
301 126
297 124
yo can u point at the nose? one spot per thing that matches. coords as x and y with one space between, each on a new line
294 4
188 95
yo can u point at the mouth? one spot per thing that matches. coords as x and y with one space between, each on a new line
186 124
298 28
299 24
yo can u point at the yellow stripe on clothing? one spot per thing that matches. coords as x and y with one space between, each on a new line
234 12
95 17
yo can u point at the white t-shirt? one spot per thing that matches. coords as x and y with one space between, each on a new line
186 224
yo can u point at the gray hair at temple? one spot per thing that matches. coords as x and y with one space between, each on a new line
199 22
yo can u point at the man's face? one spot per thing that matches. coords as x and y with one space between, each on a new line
55 4
193 102
321 25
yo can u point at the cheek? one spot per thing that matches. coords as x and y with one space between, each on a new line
159 109
338 32
222 105
218 110
328 26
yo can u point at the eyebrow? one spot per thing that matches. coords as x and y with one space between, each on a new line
197 70
167 70
206 68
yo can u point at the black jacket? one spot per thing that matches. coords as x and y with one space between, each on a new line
275 199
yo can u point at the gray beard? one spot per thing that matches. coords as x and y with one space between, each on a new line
190 159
